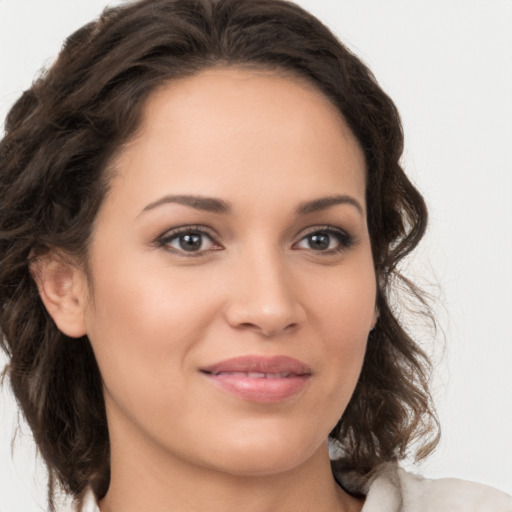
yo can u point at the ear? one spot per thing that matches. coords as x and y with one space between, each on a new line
62 287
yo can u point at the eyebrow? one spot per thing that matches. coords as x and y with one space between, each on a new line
214 205
207 204
326 202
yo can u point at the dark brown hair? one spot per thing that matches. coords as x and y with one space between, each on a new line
61 136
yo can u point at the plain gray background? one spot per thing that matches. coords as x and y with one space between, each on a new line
448 67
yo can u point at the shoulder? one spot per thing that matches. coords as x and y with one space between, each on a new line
413 493
392 489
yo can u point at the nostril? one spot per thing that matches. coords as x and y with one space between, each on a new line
268 333
247 325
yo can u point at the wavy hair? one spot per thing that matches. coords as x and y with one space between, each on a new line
60 137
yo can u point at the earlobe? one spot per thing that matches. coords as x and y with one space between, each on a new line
61 287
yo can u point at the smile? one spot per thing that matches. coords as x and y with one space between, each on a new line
260 379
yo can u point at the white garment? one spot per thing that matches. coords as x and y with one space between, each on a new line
394 490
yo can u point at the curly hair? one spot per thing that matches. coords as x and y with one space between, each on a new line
64 131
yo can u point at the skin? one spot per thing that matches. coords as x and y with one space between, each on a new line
156 314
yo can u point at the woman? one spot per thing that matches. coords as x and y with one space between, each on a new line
204 213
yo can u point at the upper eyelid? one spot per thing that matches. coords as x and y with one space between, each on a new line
209 231
170 233
322 227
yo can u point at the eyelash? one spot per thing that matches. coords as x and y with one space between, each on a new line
345 241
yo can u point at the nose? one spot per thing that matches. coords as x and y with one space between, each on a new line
264 299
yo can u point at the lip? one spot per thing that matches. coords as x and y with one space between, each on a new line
258 378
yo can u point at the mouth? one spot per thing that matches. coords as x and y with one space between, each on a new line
255 375
259 379
260 366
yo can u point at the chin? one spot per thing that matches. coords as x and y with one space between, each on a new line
267 454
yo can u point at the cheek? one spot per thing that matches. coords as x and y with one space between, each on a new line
143 324
346 302
149 301
345 314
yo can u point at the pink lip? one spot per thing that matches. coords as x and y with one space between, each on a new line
260 379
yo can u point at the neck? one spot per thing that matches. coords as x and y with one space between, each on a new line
153 480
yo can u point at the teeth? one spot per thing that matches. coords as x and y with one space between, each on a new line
280 375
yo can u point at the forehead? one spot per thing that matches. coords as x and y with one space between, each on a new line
232 130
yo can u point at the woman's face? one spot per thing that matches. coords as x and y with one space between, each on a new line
232 286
